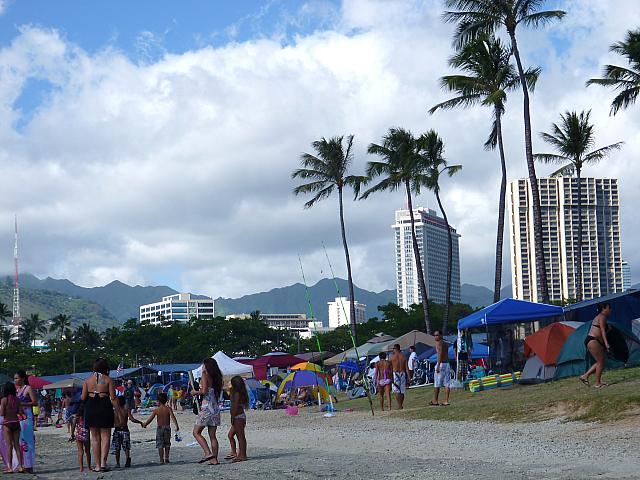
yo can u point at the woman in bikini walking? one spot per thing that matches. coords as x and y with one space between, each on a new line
383 378
597 345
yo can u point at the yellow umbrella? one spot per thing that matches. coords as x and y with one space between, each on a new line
307 366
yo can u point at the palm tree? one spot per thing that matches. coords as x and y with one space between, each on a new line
623 79
59 324
573 139
329 171
7 335
88 336
477 18
4 314
31 328
401 167
490 75
431 148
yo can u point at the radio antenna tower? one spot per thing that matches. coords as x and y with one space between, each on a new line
16 285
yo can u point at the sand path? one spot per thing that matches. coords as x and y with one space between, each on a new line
355 445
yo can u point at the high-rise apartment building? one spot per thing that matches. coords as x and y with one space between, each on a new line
431 232
601 246
340 312
626 276
176 308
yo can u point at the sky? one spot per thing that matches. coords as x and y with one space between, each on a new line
152 142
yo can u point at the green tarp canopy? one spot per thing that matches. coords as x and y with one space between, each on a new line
573 359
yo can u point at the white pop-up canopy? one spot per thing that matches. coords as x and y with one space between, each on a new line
228 366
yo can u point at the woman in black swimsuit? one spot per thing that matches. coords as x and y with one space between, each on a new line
98 393
597 345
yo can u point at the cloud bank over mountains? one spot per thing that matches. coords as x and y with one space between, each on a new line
177 170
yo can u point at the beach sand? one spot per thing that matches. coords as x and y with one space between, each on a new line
355 445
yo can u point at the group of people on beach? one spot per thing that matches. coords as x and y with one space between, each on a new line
101 422
17 442
394 374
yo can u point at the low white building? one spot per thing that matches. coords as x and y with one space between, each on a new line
340 312
176 308
296 322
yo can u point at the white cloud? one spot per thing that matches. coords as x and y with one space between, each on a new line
183 162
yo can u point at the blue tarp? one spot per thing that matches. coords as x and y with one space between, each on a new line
349 366
509 310
478 351
625 307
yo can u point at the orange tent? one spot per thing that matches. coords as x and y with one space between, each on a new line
548 342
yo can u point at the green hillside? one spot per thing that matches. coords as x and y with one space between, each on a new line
49 304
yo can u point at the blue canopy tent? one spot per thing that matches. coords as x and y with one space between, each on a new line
625 307
478 351
509 310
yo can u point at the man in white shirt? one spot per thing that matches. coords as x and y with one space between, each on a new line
413 361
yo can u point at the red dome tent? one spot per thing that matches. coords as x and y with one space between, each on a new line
274 359
547 342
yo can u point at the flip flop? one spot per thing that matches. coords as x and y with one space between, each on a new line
206 459
230 457
602 385
214 461
585 381
236 460
445 404
433 404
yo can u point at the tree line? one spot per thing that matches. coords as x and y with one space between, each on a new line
133 344
486 74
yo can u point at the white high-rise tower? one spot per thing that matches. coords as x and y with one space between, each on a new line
431 233
601 245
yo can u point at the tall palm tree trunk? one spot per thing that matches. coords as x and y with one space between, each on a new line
497 285
578 260
447 307
416 255
352 298
541 263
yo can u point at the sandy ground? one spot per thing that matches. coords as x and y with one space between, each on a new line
355 445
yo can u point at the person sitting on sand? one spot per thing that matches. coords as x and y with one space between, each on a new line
383 378
597 344
303 396
164 416
239 402
121 436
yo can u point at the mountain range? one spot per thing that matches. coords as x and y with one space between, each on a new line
116 302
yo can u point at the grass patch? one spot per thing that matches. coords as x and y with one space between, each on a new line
566 398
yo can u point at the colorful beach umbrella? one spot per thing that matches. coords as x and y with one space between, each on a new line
303 378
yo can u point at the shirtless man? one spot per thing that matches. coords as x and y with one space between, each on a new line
383 378
442 376
400 375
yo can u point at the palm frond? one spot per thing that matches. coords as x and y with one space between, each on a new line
551 158
624 99
310 187
388 184
597 155
538 19
321 195
451 170
356 182
462 101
